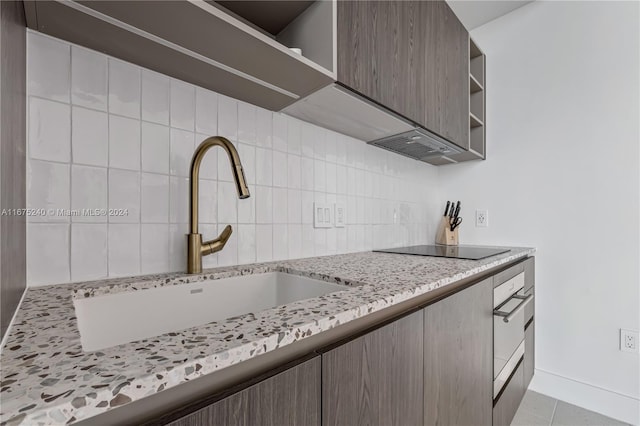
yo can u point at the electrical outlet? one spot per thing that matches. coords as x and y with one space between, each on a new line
321 215
628 340
482 218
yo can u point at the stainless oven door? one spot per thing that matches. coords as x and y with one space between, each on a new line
508 329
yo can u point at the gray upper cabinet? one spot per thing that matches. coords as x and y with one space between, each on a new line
458 358
376 379
289 398
411 57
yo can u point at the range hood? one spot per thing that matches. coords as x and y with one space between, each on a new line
418 143
338 108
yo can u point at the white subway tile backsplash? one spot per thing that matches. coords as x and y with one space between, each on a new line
264 243
264 125
124 89
306 198
293 136
246 243
246 123
178 199
178 246
294 243
48 248
307 171
89 137
319 148
280 165
181 150
156 89
264 166
280 130
49 130
155 148
154 198
48 67
208 206
228 118
331 175
88 251
136 160
293 171
294 206
280 205
48 190
124 249
124 196
124 143
88 78
183 104
89 189
154 248
264 204
280 242
228 203
319 176
206 112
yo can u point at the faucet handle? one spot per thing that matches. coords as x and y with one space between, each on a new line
218 244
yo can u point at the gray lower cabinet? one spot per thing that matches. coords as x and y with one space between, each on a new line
508 403
289 398
458 358
529 353
376 379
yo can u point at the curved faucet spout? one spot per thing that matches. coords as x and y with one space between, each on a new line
195 246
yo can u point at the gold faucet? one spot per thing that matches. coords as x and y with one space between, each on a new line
196 248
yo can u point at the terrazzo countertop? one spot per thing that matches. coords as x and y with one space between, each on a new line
48 379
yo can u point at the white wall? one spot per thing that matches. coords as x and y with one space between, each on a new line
107 134
562 175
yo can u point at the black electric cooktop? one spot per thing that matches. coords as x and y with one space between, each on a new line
455 252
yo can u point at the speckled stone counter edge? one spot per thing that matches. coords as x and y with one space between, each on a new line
48 379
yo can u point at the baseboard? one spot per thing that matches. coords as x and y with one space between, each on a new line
606 402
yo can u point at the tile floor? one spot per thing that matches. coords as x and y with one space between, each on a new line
540 410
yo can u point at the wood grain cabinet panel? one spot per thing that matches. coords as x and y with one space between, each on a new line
458 358
289 398
376 379
411 57
529 354
508 403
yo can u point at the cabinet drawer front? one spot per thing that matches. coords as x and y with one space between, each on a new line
504 276
508 403
289 398
529 353
377 378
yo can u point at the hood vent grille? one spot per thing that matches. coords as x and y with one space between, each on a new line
417 144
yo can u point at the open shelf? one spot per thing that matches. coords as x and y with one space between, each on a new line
303 24
474 121
476 105
474 85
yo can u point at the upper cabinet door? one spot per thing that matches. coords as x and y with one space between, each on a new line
410 56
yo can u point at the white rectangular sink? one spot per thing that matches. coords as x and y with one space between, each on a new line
114 319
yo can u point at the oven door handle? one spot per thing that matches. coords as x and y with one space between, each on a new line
508 316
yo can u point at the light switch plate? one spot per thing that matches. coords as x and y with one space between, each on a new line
339 215
322 215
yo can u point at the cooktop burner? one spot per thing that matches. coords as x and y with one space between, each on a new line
456 252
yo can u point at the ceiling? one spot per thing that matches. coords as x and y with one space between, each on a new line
474 13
